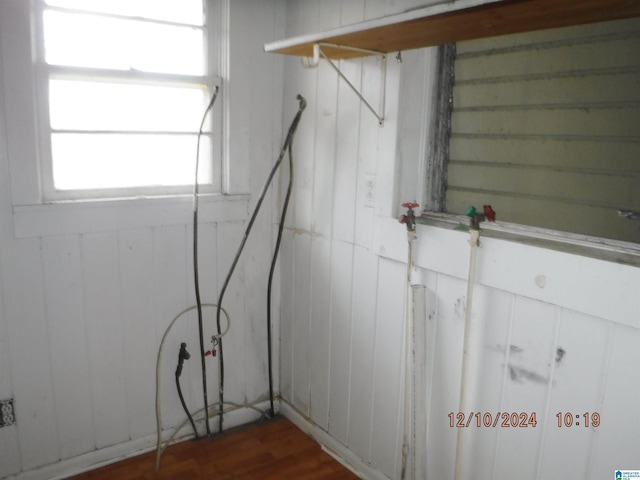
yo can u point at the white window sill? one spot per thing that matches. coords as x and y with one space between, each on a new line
599 248
76 217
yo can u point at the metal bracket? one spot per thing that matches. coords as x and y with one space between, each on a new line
317 53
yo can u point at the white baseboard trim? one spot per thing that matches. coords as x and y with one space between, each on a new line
332 446
115 453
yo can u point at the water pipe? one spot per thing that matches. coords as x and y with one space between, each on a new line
475 219
409 219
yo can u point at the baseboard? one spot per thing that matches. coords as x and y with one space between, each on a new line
332 446
115 453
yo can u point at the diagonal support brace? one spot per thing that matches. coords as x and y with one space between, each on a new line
317 53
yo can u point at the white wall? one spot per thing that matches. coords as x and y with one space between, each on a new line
88 289
343 297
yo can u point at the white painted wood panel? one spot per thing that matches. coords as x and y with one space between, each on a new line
387 367
342 258
285 359
102 310
170 277
135 252
301 322
618 435
128 273
320 331
579 364
533 333
363 336
492 312
30 354
66 329
445 383
367 150
229 235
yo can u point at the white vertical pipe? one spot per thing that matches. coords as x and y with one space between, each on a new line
468 334
419 411
407 360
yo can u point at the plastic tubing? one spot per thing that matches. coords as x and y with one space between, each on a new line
468 333
164 338
407 361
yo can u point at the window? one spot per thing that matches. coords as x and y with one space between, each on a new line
545 126
124 84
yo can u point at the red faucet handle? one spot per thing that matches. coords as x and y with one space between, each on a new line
410 205
489 213
403 219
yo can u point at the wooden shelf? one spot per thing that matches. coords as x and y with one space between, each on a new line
455 21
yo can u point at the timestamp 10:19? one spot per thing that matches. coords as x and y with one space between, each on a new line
567 419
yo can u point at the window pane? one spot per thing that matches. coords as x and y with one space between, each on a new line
101 42
94 161
80 105
179 11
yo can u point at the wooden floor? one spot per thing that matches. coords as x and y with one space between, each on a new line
273 450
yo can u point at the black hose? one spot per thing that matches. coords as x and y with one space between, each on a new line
196 275
265 187
285 206
182 356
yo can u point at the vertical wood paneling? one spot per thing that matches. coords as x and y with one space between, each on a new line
105 337
325 126
492 315
320 331
307 86
340 371
618 436
208 279
367 150
445 384
135 251
229 236
286 317
30 354
530 358
301 318
363 336
63 290
170 297
576 388
347 138
9 444
387 366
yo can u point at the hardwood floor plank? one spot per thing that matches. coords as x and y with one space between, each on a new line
274 450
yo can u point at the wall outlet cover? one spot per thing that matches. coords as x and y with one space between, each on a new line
7 413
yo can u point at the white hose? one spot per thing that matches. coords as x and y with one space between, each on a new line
408 356
474 242
164 337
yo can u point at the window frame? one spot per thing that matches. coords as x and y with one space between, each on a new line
435 165
43 72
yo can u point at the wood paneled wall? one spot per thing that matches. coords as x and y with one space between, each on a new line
88 290
553 327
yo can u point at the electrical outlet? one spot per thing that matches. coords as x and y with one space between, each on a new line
7 413
369 190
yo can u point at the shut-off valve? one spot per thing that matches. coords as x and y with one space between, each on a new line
410 217
475 218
